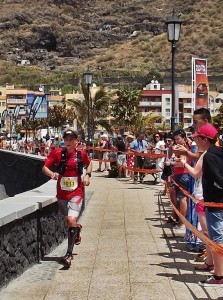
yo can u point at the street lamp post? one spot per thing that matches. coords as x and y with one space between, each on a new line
88 79
173 35
10 128
26 106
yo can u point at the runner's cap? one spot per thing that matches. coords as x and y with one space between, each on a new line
70 132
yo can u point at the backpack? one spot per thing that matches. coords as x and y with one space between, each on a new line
61 168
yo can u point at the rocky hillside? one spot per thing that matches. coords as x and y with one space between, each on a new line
62 37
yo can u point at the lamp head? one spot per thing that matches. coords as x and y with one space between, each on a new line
88 77
173 28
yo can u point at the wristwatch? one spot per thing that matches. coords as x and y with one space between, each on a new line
89 174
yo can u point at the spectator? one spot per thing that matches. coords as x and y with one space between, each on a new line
201 117
169 161
181 177
100 154
105 145
212 182
121 157
196 172
159 148
139 145
130 157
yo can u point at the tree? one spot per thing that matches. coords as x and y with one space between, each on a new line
59 116
164 127
124 109
147 123
217 121
99 109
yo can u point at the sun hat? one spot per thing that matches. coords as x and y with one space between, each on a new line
130 136
125 133
71 132
104 135
208 131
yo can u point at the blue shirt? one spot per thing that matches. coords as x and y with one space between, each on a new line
140 146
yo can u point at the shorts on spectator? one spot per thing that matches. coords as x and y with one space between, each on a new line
200 209
121 160
215 225
183 181
105 155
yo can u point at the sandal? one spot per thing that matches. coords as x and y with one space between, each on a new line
201 256
171 220
204 267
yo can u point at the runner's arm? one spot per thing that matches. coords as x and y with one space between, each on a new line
48 172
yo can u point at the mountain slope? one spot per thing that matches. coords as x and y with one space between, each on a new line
128 37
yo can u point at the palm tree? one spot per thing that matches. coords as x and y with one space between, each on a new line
124 109
164 127
147 123
99 109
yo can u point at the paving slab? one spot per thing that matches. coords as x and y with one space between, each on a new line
127 252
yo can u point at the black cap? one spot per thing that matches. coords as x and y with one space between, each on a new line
70 132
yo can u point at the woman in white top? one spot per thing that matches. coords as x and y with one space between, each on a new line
159 148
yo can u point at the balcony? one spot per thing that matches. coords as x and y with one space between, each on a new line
187 105
144 113
186 125
149 103
188 115
15 100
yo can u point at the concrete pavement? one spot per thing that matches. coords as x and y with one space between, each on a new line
127 252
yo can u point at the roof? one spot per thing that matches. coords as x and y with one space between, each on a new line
155 92
56 98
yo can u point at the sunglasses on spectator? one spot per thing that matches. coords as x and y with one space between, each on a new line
168 141
157 136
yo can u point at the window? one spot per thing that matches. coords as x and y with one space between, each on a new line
167 100
167 112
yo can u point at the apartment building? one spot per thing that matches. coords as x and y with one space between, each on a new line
14 98
157 100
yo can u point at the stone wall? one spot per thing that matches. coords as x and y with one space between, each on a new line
25 241
34 232
20 173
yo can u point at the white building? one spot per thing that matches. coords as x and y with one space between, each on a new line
157 100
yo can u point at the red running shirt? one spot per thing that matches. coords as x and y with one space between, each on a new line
54 158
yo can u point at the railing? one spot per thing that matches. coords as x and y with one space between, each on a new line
146 103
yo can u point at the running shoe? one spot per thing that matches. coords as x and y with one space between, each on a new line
211 281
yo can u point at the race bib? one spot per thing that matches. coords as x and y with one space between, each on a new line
69 183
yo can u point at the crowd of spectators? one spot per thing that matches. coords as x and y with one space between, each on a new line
196 165
32 146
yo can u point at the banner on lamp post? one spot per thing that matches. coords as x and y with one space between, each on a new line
38 106
200 86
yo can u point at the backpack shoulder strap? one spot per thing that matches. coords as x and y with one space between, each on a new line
63 155
63 159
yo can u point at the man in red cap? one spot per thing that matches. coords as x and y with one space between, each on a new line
212 182
201 117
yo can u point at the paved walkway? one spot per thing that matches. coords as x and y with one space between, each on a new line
127 252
